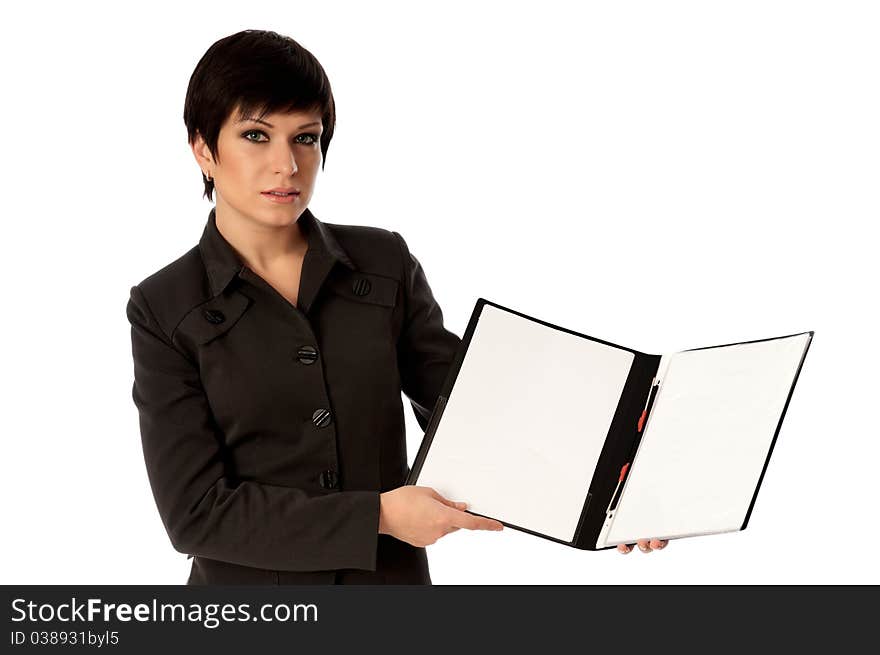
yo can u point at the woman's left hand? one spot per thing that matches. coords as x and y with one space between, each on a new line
645 545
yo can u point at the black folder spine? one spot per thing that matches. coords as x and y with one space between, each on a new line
622 439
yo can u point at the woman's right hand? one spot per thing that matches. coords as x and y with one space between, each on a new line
420 516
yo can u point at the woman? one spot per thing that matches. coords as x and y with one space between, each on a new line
269 359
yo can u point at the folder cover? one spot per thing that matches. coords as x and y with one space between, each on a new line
591 444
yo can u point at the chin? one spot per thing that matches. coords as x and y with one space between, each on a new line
279 216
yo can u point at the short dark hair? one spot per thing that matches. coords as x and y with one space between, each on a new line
259 72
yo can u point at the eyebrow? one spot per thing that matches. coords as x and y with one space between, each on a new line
257 120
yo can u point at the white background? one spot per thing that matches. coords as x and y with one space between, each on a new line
660 175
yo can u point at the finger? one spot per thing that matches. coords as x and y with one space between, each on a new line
487 524
659 544
474 522
624 548
451 503
645 545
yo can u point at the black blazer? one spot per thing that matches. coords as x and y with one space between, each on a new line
269 430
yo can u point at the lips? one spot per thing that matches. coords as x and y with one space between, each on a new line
281 198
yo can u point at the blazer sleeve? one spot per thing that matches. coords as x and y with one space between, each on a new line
425 348
248 523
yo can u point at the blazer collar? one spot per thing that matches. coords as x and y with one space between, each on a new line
222 263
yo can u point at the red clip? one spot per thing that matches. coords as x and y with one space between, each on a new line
642 419
623 473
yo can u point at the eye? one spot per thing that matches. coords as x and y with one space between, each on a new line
306 139
245 135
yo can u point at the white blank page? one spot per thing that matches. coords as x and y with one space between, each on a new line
525 423
706 440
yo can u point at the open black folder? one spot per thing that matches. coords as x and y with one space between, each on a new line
591 444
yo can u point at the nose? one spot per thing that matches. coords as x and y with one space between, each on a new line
285 162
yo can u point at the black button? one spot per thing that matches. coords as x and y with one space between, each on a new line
307 355
329 479
361 287
321 418
214 316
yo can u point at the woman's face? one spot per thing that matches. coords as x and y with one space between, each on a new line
280 151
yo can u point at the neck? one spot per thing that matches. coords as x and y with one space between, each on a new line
260 246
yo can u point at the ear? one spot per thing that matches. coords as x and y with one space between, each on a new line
202 153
